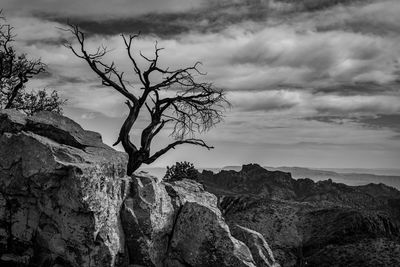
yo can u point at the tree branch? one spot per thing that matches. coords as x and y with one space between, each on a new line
196 106
93 60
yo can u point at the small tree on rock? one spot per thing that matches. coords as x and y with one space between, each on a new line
181 170
193 107
15 72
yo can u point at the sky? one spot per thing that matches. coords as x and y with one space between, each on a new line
312 83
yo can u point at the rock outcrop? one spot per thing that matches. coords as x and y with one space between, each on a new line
252 179
61 190
148 219
177 224
65 201
304 221
259 248
201 238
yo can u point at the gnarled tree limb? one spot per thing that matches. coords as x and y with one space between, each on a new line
176 99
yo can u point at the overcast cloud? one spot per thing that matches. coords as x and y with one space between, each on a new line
310 76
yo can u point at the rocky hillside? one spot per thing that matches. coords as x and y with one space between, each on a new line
65 200
346 176
311 223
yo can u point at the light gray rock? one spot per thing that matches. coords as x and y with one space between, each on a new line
61 190
187 190
202 238
259 248
147 217
65 201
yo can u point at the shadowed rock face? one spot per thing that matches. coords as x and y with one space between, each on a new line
303 220
65 201
252 180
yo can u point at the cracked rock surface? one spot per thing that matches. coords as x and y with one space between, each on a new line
65 200
61 190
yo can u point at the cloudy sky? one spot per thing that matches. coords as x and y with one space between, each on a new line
312 82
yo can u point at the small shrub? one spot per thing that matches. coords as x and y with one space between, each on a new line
180 171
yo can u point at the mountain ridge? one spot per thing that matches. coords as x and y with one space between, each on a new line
317 174
312 223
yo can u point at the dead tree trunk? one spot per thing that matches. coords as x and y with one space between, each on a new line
196 106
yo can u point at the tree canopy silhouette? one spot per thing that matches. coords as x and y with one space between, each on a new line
15 72
191 106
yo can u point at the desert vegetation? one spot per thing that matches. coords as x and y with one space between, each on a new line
181 170
16 69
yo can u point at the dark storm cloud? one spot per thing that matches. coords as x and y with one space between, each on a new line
378 18
97 9
316 5
346 108
47 41
206 16
363 26
357 89
210 17
147 24
389 121
326 119
377 122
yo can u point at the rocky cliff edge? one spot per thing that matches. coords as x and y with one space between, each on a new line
65 200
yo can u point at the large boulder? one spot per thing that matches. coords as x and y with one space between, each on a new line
61 190
202 238
259 248
147 217
187 190
154 219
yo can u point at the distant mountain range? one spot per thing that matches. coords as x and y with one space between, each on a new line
349 176
309 223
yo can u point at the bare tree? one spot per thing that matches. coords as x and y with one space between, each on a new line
194 107
15 72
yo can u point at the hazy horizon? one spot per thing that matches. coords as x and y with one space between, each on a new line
312 83
374 171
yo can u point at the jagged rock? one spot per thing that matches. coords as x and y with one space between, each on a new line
65 200
147 217
51 125
60 193
262 254
202 238
188 190
154 216
311 223
252 179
